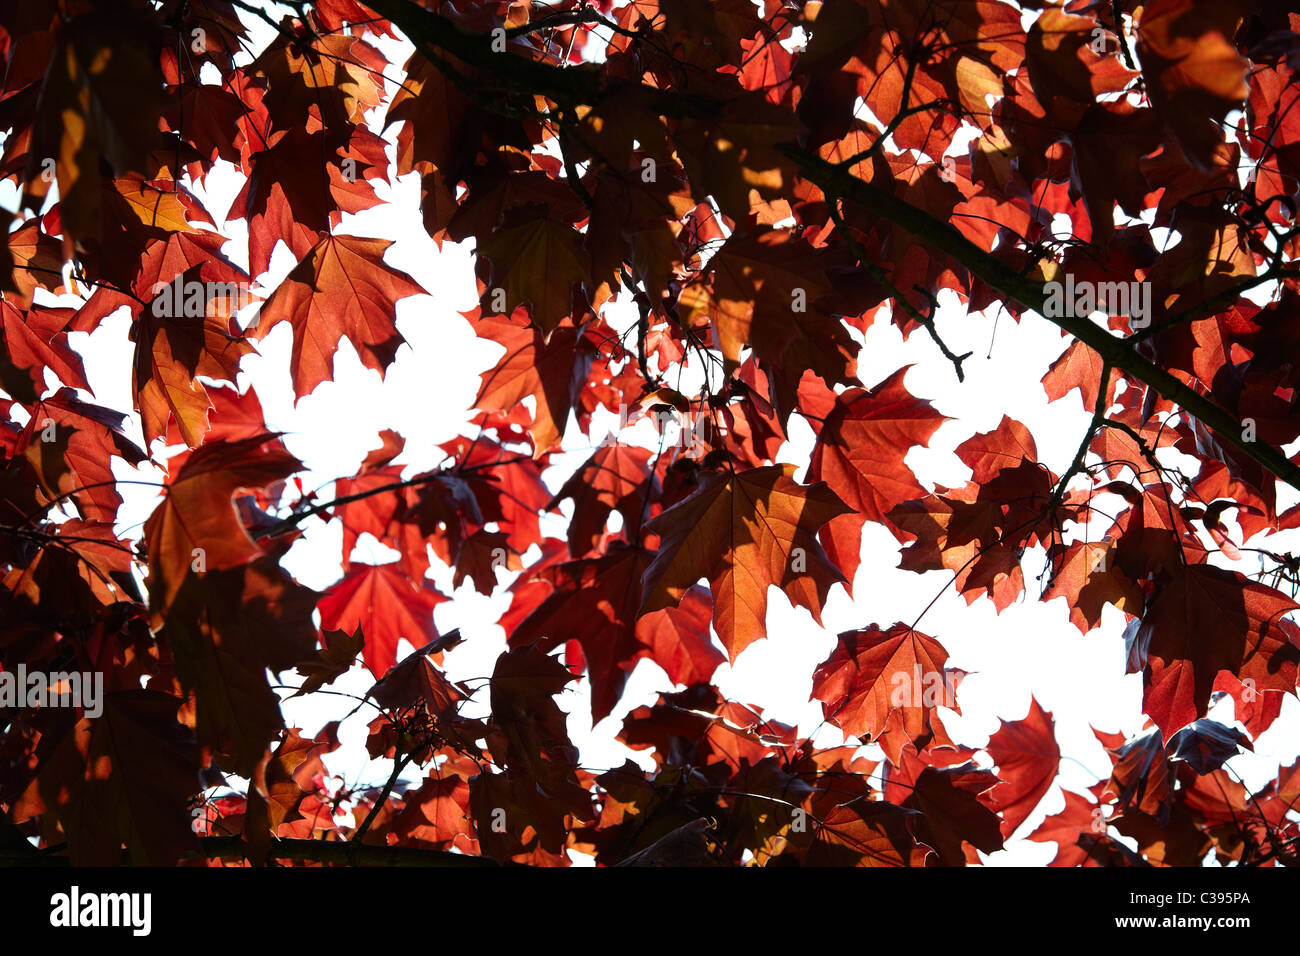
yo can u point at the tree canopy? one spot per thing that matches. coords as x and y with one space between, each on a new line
684 211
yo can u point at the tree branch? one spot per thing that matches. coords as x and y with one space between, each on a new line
584 85
1076 466
882 277
987 267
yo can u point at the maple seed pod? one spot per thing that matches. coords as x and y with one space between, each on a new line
349 169
798 820
199 40
200 563
1248 692
648 170
498 820
499 301
498 39
1098 824
47 170
1248 432
48 429
798 560
948 172
799 300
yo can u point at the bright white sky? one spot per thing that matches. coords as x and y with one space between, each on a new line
1031 648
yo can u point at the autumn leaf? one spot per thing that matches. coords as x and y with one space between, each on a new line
537 262
172 351
196 529
859 454
121 778
744 532
71 444
1080 817
1208 620
227 628
386 605
874 674
550 370
867 834
34 341
615 478
331 661
764 291
342 288
953 818
1194 72
1027 757
99 101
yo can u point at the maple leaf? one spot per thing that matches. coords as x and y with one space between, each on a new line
37 261
550 370
438 812
874 674
337 75
615 478
678 638
1078 367
282 783
685 846
1204 621
100 98
953 818
1027 757
341 288
1206 744
1194 73
538 262
744 532
1088 578
34 341
988 453
540 787
1080 818
227 629
1141 778
196 529
77 463
862 833
596 602
763 291
386 605
859 454
334 659
171 352
121 778
417 679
